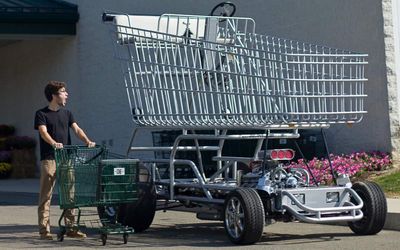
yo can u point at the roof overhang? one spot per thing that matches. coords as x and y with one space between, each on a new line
37 17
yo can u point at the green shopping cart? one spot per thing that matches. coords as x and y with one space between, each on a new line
87 179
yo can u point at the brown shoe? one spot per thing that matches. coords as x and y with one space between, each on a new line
46 236
76 234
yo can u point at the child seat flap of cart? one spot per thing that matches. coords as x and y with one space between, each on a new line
215 73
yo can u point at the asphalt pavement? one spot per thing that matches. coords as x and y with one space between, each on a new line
18 229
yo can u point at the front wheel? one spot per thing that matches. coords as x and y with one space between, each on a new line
374 209
244 216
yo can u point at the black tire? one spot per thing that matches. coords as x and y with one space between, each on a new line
252 219
140 214
374 209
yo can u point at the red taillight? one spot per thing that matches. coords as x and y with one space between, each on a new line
289 154
274 154
282 154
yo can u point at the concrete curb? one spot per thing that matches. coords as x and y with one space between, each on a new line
392 221
393 215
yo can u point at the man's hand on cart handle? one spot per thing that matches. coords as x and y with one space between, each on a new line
91 144
58 145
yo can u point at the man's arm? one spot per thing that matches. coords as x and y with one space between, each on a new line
47 138
81 135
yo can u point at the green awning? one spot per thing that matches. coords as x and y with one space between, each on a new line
38 17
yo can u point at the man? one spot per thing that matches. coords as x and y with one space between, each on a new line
53 123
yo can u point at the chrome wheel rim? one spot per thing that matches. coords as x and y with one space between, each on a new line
234 217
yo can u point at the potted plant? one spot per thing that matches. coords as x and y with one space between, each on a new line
6 130
5 156
5 170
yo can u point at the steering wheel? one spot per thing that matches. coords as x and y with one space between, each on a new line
226 9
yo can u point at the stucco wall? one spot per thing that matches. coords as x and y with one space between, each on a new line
391 10
355 25
97 95
25 67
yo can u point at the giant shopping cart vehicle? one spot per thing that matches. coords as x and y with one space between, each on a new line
214 73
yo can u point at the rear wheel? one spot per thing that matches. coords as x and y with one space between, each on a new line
140 214
244 216
374 209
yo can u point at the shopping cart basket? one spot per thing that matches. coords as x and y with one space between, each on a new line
187 71
87 179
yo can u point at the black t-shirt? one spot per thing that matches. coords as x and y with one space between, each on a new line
57 124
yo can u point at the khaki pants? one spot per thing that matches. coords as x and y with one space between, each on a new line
47 181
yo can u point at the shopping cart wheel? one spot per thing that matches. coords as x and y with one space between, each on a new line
60 235
109 214
125 236
103 239
224 9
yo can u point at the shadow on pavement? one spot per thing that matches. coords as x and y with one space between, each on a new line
196 235
22 199
295 239
182 235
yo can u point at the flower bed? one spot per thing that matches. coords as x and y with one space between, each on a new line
355 165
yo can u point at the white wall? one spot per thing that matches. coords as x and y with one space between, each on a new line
97 95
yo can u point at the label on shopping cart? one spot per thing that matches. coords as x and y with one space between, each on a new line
119 171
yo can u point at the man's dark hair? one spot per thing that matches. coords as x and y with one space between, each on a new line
52 88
